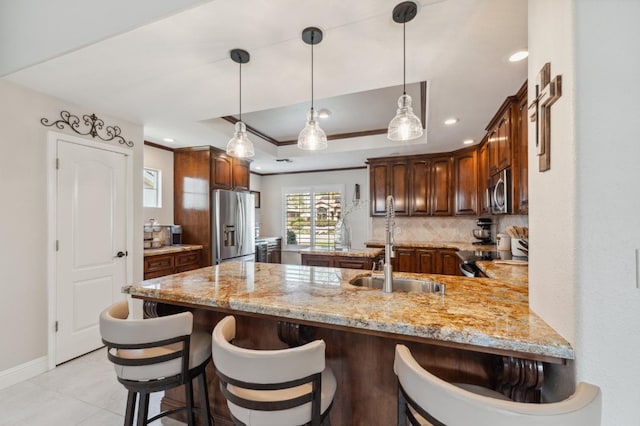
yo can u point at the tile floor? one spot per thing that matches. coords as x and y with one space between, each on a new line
84 392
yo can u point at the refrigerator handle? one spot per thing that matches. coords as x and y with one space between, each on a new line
240 233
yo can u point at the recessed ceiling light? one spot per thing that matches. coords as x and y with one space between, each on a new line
468 141
258 168
168 140
451 121
324 113
518 56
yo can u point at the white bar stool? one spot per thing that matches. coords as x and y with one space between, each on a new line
272 387
154 355
424 399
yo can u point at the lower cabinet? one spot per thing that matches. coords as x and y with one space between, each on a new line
426 261
338 261
274 250
171 263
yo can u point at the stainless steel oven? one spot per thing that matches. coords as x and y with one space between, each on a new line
499 192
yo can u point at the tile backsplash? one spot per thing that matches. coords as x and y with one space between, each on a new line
441 229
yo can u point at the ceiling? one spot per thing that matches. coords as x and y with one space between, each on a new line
169 70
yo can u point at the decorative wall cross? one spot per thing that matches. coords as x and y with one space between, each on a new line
547 93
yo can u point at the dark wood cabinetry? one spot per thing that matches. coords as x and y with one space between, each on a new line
483 177
192 199
389 177
522 152
426 261
331 261
420 186
274 250
465 167
171 263
501 137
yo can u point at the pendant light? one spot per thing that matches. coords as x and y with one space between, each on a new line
405 125
240 146
312 137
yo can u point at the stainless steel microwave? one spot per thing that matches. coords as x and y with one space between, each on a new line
499 192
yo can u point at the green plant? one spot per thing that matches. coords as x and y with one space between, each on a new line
291 237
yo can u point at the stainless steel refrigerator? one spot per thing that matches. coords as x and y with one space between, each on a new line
233 226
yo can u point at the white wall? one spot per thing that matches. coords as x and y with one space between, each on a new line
608 202
584 212
161 159
271 212
23 191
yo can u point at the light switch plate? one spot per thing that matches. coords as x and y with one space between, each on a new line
638 268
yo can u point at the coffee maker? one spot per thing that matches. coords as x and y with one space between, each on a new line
483 232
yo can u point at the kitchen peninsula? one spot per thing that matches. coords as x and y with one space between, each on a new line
480 331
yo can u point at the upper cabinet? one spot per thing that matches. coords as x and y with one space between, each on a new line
483 177
522 153
389 177
465 166
500 137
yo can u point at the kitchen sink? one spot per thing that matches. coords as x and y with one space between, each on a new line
401 284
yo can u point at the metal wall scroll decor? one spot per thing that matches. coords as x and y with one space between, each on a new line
94 124
548 91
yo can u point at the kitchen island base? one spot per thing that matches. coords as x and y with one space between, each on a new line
363 365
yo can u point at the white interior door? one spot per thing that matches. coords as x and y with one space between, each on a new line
91 235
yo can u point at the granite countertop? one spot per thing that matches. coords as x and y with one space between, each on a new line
514 272
266 238
366 252
475 312
455 245
171 249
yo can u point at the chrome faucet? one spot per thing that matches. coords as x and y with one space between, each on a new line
389 249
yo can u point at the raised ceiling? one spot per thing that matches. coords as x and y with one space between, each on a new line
174 75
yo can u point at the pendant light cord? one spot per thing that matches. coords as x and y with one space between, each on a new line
404 58
240 100
312 41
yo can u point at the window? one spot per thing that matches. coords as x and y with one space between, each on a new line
311 215
152 188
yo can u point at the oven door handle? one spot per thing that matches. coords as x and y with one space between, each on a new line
467 270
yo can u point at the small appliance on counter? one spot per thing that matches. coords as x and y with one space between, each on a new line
176 235
483 232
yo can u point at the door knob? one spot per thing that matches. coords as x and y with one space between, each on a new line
121 254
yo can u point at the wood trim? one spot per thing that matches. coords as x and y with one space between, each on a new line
312 171
501 111
347 135
157 145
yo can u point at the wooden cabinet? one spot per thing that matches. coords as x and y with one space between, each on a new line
420 186
483 177
331 261
274 250
171 263
465 169
521 184
197 171
426 261
501 137
389 177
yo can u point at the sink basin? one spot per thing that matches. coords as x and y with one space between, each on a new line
401 284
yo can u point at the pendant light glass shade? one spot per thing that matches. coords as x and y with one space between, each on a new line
405 125
240 146
312 137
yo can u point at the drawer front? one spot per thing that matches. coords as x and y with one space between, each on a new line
353 263
317 260
156 263
188 258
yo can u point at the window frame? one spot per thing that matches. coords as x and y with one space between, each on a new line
312 189
158 189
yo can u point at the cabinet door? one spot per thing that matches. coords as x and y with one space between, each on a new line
426 261
406 260
274 251
466 183
378 191
449 262
441 187
420 179
187 261
241 174
523 157
504 141
483 178
221 171
492 144
399 186
316 260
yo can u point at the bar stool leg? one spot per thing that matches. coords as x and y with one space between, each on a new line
204 399
188 388
143 408
131 408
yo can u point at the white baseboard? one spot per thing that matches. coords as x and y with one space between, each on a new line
23 372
